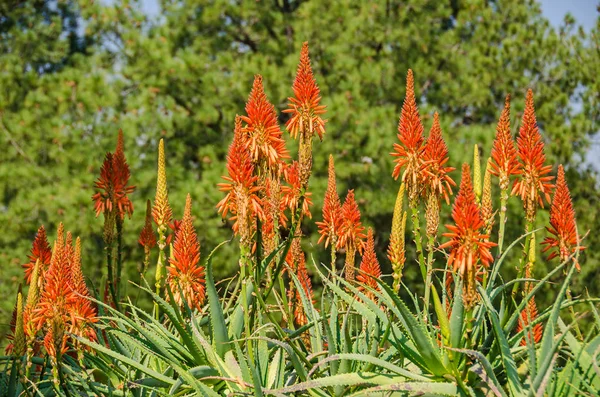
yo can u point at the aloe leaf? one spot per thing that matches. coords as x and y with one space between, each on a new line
508 362
219 330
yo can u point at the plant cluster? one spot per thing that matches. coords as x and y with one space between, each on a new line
264 332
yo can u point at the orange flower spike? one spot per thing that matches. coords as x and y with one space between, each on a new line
103 200
122 174
534 182
351 236
528 316
77 279
185 274
369 266
410 133
468 245
263 136
331 210
147 236
304 106
304 278
351 231
504 154
242 198
40 249
564 238
291 192
435 156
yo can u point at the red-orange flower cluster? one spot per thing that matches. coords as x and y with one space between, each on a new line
112 184
332 209
304 106
40 250
410 133
291 191
565 239
534 182
263 137
468 245
186 276
147 236
369 266
504 154
528 316
351 232
435 156
242 198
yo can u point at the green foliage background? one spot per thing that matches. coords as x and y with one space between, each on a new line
73 73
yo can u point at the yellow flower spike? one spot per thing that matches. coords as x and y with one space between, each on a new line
396 252
19 340
487 211
161 212
476 173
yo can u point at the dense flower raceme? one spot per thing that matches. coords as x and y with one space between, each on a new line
147 236
161 211
242 191
186 275
435 156
292 191
262 135
504 154
409 151
64 307
304 106
396 252
564 239
113 183
468 245
332 207
534 182
296 261
40 250
351 235
369 266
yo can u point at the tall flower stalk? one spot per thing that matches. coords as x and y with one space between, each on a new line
162 214
332 220
534 183
370 270
504 165
438 185
396 250
409 153
351 234
469 246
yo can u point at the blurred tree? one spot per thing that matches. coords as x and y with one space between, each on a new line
72 74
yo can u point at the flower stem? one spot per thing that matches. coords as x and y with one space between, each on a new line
119 224
418 243
503 209
160 264
430 245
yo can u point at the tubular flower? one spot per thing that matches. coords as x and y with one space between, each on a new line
242 198
410 149
331 209
369 267
292 191
487 211
534 182
175 225
351 236
186 276
396 250
563 228
161 212
112 185
40 250
263 138
504 153
468 244
304 106
435 157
